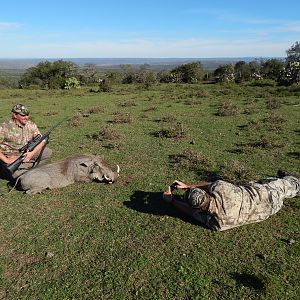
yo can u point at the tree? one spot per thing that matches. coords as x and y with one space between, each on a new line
272 68
140 75
241 71
89 74
224 73
291 72
255 70
189 73
293 53
49 75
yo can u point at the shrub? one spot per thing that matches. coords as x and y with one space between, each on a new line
169 118
105 134
224 73
188 73
49 75
77 120
274 119
267 142
193 101
72 83
165 77
128 104
95 110
105 86
176 130
236 172
273 103
143 76
227 108
263 83
191 160
8 83
122 118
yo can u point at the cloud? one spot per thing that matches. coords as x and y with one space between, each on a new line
188 48
291 27
8 25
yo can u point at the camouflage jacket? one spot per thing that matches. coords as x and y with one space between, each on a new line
229 206
13 137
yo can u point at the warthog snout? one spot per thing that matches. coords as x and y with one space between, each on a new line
114 176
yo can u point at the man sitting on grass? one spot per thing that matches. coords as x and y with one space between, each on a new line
14 134
221 205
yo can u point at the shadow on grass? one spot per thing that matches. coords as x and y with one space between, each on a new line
208 176
250 281
5 175
295 154
152 203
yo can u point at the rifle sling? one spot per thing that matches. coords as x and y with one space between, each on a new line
37 161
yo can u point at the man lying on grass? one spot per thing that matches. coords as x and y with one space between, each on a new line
221 205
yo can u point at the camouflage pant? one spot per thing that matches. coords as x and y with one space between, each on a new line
47 152
231 206
280 189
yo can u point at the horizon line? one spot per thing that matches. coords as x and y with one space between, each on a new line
216 57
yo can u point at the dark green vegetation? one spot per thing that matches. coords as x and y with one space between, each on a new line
68 75
120 241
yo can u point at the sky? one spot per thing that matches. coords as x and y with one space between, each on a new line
147 29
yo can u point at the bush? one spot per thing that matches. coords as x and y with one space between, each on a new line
191 160
122 118
188 73
8 83
227 108
145 77
105 86
175 130
236 172
49 75
105 134
263 82
273 103
72 83
225 73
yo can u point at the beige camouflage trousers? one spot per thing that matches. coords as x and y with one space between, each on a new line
24 167
280 189
231 206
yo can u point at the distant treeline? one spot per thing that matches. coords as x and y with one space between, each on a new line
62 74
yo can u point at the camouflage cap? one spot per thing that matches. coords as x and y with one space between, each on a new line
195 197
20 109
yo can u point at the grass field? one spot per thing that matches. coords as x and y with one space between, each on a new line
120 241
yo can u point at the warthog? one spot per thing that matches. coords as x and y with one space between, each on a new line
77 168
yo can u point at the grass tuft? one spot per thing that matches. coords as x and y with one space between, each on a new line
227 108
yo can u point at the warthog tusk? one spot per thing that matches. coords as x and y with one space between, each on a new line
108 179
118 169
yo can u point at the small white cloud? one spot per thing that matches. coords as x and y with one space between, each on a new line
292 27
9 25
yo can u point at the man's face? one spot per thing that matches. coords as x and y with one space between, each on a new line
21 119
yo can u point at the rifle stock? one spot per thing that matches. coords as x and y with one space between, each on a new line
15 165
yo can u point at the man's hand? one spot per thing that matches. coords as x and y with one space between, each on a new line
167 195
28 156
179 185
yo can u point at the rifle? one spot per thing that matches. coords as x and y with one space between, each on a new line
34 142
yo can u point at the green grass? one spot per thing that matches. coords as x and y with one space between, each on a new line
120 241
